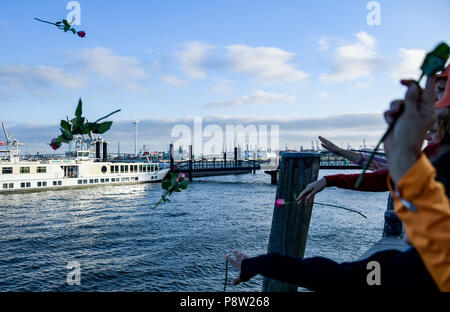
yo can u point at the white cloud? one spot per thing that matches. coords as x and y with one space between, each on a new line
323 95
17 78
267 64
409 67
222 87
323 44
174 80
258 98
356 60
106 64
194 59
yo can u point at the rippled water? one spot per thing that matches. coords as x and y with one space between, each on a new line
121 245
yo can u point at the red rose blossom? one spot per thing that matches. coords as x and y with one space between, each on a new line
81 34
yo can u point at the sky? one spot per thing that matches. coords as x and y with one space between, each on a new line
311 67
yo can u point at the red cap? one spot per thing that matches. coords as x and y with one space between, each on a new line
445 101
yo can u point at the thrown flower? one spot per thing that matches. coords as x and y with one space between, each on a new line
66 26
55 144
280 202
171 183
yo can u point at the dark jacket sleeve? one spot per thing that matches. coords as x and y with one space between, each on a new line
400 271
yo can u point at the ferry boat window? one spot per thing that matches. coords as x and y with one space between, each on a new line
59 182
140 168
11 185
70 171
135 168
144 168
136 178
44 183
91 180
131 168
7 170
24 169
80 182
117 168
39 184
104 169
112 169
96 181
84 181
107 180
126 168
41 169
122 168
54 183
22 184
5 185
28 184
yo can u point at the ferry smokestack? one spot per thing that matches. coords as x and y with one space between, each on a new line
97 150
105 151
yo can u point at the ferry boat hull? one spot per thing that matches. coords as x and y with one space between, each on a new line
24 177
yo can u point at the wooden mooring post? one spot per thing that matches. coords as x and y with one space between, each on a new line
290 223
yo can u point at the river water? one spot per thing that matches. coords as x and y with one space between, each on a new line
121 245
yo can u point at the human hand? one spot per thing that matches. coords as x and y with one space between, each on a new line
404 143
237 264
311 190
328 145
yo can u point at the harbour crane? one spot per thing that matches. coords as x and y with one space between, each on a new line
10 140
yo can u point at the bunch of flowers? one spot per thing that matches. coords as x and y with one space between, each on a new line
80 126
65 26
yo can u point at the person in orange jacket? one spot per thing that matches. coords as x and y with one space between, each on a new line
420 201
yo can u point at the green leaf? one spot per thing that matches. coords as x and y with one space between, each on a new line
77 125
66 23
165 184
73 30
58 23
65 125
62 139
79 111
66 134
101 127
184 185
435 60
173 180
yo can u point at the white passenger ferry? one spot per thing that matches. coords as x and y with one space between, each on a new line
87 168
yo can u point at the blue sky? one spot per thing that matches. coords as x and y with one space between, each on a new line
278 61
